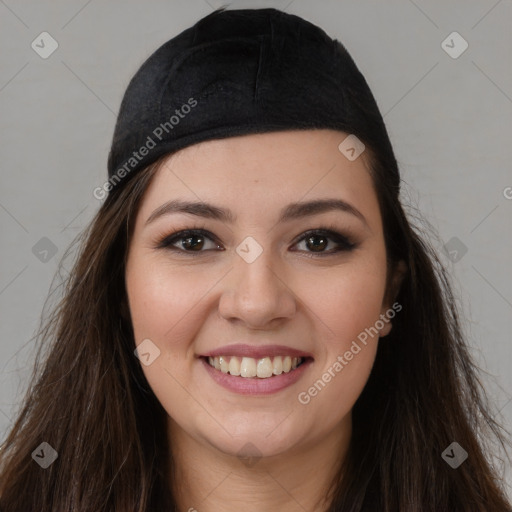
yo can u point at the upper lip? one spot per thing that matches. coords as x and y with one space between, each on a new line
256 351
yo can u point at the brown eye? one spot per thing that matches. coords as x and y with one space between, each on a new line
190 241
194 242
317 241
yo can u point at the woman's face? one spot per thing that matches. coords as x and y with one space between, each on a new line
254 291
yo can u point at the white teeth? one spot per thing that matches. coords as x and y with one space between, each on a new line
264 368
249 367
234 366
278 365
224 366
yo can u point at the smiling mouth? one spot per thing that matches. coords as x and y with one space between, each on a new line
248 367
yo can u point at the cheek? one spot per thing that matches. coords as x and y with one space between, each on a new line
347 300
162 300
165 307
348 306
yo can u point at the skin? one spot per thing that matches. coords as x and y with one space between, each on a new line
189 305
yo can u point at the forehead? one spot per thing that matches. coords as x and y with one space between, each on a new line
252 172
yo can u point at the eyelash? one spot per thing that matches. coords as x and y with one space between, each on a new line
344 243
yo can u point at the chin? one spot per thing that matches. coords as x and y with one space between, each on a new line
253 439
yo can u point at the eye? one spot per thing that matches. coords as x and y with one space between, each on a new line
316 241
190 240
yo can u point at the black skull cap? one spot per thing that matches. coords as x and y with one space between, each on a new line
238 72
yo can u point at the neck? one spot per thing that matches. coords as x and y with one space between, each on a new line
208 480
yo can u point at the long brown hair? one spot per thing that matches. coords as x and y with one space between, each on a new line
90 401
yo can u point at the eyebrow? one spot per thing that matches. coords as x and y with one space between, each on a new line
292 211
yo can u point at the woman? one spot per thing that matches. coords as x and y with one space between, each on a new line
219 341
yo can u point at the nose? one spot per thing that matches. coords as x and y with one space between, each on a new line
256 295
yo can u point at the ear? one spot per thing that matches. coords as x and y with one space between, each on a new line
398 273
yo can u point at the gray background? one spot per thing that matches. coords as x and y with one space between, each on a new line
449 120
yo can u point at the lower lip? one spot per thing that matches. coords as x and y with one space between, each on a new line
255 385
